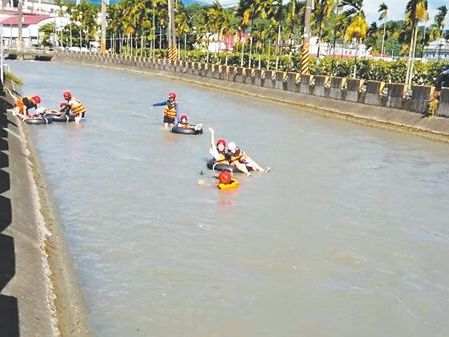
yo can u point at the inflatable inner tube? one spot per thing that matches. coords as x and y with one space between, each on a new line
232 185
39 121
221 167
186 131
56 118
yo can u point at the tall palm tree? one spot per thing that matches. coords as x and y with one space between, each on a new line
323 10
416 11
353 17
438 25
383 14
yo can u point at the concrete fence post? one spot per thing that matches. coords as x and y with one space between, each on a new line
239 77
259 77
443 108
279 78
337 88
321 83
249 75
231 73
373 92
292 82
395 96
421 95
268 79
305 84
353 89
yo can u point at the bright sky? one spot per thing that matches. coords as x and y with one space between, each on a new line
396 8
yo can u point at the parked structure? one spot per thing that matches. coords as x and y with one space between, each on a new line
437 50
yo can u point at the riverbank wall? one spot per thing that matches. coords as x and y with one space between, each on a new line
371 103
39 292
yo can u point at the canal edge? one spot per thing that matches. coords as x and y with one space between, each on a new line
63 298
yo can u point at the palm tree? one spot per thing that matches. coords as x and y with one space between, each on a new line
436 29
383 14
353 18
323 10
416 11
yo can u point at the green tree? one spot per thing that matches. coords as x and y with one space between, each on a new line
323 10
416 11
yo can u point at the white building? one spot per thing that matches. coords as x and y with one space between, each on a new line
437 50
31 24
32 6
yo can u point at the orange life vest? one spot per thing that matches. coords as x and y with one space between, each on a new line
21 104
170 112
77 108
222 159
241 158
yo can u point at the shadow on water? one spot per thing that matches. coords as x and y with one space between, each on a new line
9 310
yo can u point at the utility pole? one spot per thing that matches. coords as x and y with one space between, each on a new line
172 54
103 26
20 38
305 57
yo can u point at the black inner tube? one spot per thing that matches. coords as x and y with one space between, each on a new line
58 118
211 165
186 131
38 121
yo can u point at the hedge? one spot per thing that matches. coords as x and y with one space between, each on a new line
367 69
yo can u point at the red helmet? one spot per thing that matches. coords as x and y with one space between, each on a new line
172 95
63 105
67 95
36 99
221 141
225 177
183 117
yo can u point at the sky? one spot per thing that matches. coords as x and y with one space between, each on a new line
396 8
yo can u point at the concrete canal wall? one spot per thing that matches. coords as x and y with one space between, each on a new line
368 102
39 294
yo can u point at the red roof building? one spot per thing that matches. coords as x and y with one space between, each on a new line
27 20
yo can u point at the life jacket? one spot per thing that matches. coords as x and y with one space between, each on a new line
76 107
221 159
27 102
170 112
184 125
233 184
240 157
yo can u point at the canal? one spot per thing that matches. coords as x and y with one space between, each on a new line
347 236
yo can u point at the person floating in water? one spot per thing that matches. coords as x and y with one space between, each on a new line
218 150
184 124
242 161
171 110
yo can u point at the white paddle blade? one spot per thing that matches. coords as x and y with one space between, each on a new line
78 119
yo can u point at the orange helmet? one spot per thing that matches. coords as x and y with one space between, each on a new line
172 95
36 99
225 177
183 117
67 95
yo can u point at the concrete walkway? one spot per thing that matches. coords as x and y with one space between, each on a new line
24 292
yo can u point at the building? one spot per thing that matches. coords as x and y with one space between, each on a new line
31 24
437 50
